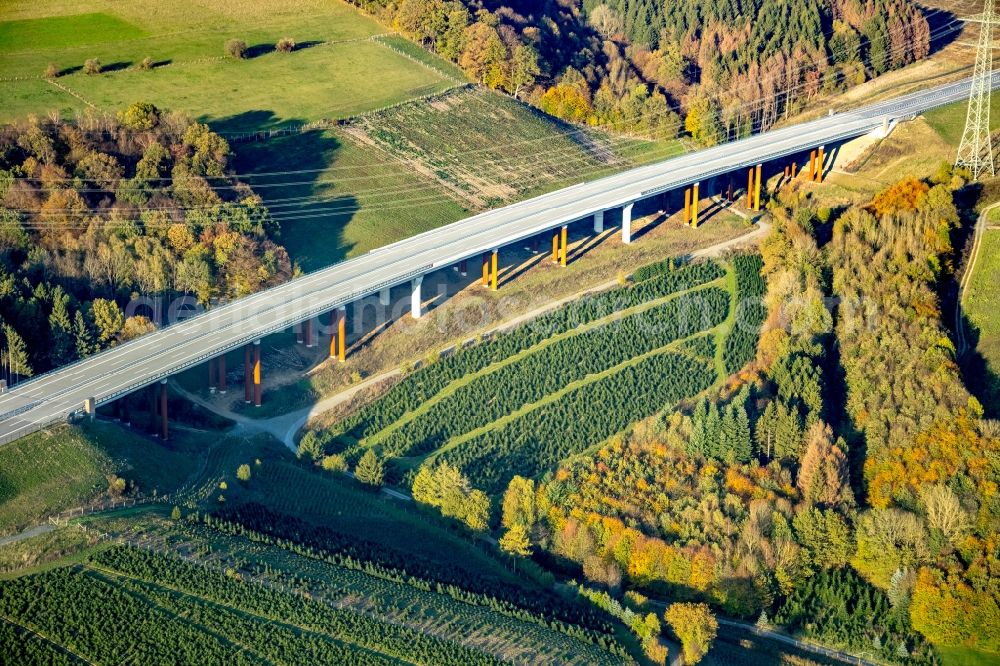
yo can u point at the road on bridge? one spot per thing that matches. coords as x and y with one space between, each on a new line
55 395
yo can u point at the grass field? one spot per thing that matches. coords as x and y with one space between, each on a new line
958 656
337 70
949 120
49 471
981 306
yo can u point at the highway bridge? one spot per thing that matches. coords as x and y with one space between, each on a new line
151 359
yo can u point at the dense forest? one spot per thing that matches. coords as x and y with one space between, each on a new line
636 66
849 497
110 211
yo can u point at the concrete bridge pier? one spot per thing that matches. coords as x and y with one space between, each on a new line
564 250
310 333
695 198
599 222
416 310
383 296
627 223
256 374
338 333
495 270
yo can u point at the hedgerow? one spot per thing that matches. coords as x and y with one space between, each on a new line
348 627
432 378
258 523
586 416
741 343
491 396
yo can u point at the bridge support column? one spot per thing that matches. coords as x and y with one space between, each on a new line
383 295
795 169
256 374
212 381
308 326
298 333
820 158
756 188
750 188
694 205
599 222
338 333
627 223
415 299
247 375
812 165
222 374
495 272
463 269
163 410
565 245
786 171
486 269
555 246
341 334
687 205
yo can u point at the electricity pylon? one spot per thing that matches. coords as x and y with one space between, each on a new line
975 152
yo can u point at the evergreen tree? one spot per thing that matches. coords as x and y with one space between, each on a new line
370 469
83 337
16 353
698 444
63 344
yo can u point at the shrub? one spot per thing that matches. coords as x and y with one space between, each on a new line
236 48
139 116
285 45
243 472
335 463
92 66
51 71
146 64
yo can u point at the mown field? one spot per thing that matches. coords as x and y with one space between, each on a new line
523 401
388 175
489 149
949 120
335 72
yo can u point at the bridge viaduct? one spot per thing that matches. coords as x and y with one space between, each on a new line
796 151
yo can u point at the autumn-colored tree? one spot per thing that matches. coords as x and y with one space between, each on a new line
515 542
519 504
695 626
904 195
483 51
889 540
823 472
702 120
565 101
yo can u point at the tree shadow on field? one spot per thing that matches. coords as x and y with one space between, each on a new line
939 22
116 66
980 377
287 171
258 50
